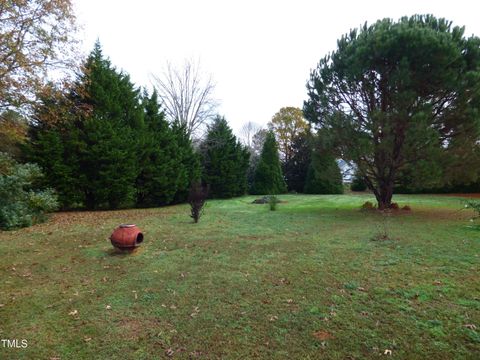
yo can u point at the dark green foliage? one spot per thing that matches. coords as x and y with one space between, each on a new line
358 183
197 198
323 176
255 150
268 177
23 203
54 149
188 166
401 97
295 168
160 158
108 134
272 202
224 160
104 145
90 155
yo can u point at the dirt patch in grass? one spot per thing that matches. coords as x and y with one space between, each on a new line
135 328
323 335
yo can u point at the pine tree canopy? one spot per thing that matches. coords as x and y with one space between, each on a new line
400 94
268 178
224 160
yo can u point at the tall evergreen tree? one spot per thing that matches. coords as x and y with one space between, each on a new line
188 165
91 156
324 175
224 160
268 177
108 142
159 158
104 145
296 167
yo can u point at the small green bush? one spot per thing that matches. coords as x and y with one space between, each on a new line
272 202
22 203
358 183
197 199
475 206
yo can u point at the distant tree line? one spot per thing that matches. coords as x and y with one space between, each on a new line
404 111
289 157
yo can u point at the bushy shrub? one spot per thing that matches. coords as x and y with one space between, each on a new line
272 202
197 198
358 183
22 203
324 175
475 206
268 177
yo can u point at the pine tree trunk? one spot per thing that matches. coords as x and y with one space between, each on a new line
89 201
384 195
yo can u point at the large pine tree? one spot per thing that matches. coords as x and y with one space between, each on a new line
87 141
224 160
104 145
159 157
108 144
268 177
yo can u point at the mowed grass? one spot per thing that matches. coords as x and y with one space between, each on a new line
304 282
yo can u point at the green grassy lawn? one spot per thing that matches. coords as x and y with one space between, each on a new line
304 282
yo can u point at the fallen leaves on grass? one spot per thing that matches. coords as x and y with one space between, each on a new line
323 335
169 352
195 312
470 326
273 318
87 339
284 281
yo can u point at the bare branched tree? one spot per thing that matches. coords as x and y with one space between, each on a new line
247 131
187 96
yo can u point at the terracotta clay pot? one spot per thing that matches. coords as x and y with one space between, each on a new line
126 236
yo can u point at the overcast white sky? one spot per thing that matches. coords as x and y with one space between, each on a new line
259 52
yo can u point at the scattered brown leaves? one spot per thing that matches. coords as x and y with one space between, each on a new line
169 352
323 335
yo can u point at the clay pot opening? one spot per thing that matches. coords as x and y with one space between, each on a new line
139 238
